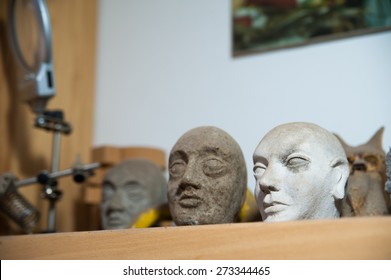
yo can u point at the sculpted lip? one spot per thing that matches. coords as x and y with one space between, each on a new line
115 219
189 200
115 222
275 207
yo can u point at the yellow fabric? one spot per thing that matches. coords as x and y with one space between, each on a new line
147 219
249 209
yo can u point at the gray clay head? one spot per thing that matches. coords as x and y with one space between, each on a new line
130 188
301 171
208 178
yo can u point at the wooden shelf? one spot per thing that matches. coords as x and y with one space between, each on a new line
347 238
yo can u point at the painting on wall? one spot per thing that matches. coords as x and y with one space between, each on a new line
265 25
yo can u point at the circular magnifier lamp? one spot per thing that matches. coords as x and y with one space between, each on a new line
30 37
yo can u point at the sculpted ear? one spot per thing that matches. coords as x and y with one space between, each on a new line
376 139
340 175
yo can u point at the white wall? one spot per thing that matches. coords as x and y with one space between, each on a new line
165 67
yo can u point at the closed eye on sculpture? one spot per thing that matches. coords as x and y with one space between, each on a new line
132 187
214 167
177 168
296 161
107 190
259 169
135 191
371 159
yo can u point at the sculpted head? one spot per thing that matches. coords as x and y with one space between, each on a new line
208 178
129 189
301 171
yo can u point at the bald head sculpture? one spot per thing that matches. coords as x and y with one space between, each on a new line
129 189
301 172
208 178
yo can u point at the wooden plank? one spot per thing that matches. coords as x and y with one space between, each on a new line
92 194
153 154
107 155
348 238
97 179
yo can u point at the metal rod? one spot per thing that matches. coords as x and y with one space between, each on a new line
52 188
25 182
58 174
56 151
51 216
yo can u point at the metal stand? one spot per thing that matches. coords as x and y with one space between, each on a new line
49 182
15 206
54 122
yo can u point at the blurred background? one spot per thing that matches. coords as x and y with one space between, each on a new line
163 68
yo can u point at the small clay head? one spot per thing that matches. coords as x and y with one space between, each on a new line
130 188
208 178
365 193
300 171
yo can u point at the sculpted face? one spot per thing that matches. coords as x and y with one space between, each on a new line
300 170
365 194
129 189
208 178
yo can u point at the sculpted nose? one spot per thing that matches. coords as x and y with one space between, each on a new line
269 180
116 202
190 178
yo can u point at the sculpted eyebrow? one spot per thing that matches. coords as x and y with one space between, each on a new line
215 151
178 154
108 183
132 182
284 156
260 159
133 186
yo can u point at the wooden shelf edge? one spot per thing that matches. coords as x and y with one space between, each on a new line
347 238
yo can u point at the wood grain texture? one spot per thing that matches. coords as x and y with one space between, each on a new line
26 150
347 238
